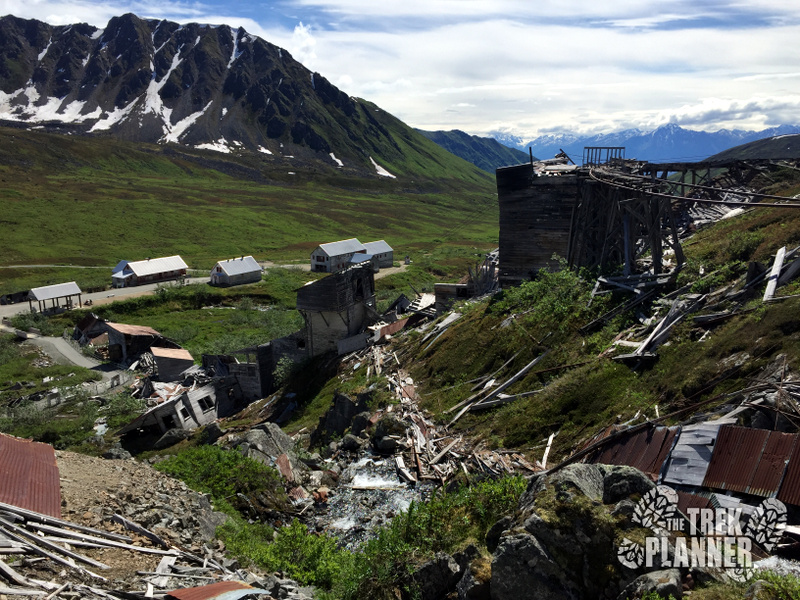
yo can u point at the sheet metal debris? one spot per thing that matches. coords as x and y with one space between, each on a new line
222 590
29 475
748 460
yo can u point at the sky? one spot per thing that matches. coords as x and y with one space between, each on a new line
521 67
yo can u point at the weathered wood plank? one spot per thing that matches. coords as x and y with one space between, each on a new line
772 282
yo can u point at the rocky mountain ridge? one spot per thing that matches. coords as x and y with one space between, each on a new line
484 152
210 87
666 143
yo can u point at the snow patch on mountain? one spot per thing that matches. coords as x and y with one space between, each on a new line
236 52
177 130
221 145
380 170
338 162
43 53
115 116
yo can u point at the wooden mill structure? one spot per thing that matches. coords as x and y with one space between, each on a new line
616 216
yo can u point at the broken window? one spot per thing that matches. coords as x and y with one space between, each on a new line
184 414
206 403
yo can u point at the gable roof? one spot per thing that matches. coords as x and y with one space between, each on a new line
59 290
155 265
378 247
239 266
341 247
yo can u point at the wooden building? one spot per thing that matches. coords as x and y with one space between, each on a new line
382 251
171 362
337 307
335 256
151 270
236 271
127 342
535 220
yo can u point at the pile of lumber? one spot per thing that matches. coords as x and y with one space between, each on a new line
431 452
37 537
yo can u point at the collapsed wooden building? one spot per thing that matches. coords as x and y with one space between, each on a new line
609 213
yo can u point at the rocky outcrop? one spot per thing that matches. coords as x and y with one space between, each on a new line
563 542
339 418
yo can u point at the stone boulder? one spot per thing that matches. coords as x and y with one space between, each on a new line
171 437
337 420
389 434
665 583
562 544
620 482
437 578
268 444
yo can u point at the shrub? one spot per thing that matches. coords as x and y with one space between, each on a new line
233 480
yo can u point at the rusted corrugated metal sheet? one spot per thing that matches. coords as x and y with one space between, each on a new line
770 469
220 590
790 488
751 461
29 476
737 453
687 501
645 450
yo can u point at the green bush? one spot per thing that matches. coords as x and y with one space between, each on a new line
233 480
553 301
446 522
785 587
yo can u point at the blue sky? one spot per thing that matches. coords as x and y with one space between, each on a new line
525 67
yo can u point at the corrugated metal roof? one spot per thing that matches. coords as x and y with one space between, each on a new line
790 488
645 450
378 247
359 258
29 476
749 461
239 266
59 290
157 265
735 459
342 247
178 353
689 459
222 590
771 468
687 501
132 329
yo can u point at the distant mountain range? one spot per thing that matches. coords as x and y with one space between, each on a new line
668 143
201 86
483 152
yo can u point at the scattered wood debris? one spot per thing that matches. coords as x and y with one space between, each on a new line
25 533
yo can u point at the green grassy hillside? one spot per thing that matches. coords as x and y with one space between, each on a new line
92 201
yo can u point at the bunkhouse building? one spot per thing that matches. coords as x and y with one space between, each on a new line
151 270
383 253
335 256
236 271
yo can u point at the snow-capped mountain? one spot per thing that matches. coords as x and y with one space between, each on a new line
668 143
198 85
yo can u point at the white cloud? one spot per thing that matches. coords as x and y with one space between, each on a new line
303 45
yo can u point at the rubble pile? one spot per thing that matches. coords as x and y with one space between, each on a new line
126 529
